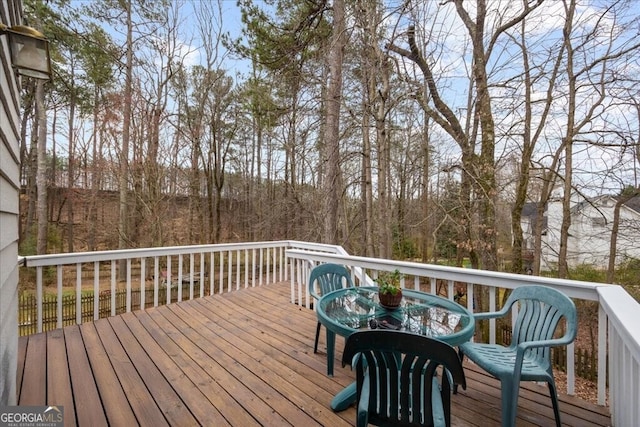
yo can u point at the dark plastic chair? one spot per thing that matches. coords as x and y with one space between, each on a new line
540 309
397 380
329 277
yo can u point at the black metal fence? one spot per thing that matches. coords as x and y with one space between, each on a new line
28 308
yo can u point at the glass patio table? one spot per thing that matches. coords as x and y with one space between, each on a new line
348 310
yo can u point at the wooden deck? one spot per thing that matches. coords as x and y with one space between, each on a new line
242 358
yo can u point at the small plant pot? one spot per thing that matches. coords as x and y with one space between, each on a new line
390 301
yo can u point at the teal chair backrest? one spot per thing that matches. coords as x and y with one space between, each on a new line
397 381
329 277
540 309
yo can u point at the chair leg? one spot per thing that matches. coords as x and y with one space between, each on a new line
509 395
315 345
554 400
461 356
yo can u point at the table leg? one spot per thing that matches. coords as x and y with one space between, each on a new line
345 398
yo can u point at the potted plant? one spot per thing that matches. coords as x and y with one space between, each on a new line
389 290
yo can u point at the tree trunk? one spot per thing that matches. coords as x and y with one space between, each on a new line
123 218
563 266
485 168
367 187
332 136
426 204
41 177
384 210
26 163
71 169
613 243
93 198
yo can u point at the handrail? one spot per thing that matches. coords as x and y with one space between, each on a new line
223 267
118 254
621 312
573 288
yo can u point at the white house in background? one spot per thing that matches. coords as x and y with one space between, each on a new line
589 234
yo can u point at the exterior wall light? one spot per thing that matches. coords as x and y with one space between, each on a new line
29 51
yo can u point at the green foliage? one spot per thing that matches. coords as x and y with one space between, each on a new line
389 282
448 229
628 273
28 246
283 35
588 273
404 249
628 276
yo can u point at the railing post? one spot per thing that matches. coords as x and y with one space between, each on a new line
221 272
143 284
78 293
602 356
179 279
128 309
229 270
191 273
571 366
202 267
261 251
156 285
59 296
246 268
168 279
253 267
39 297
96 290
113 287
212 273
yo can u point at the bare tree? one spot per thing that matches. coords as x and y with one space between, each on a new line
41 178
333 180
374 73
478 164
531 133
591 71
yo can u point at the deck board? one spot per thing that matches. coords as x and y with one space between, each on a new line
90 411
114 401
58 375
243 358
34 377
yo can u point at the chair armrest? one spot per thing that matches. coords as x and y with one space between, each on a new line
484 316
313 293
354 361
492 314
556 342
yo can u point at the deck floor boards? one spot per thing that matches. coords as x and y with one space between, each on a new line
240 359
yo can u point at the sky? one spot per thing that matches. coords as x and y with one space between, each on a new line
452 63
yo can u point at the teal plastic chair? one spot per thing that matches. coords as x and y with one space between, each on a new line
540 309
329 277
397 380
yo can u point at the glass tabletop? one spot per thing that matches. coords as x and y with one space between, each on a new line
347 310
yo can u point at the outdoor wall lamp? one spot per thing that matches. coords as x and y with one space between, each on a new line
29 51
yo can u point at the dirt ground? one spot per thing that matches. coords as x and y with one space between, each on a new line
585 390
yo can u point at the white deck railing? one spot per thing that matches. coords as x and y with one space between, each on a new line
618 331
204 268
226 267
